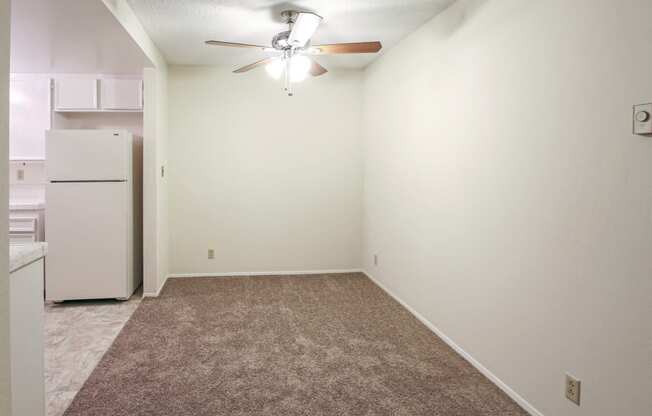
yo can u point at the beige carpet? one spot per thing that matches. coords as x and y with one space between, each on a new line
309 345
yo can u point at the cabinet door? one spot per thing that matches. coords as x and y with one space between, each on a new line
121 94
75 94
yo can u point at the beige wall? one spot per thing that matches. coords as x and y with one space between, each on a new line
509 202
272 183
162 223
155 222
155 120
5 389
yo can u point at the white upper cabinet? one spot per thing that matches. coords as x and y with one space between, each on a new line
98 93
75 94
121 94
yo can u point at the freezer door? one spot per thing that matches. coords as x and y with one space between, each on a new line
88 155
88 240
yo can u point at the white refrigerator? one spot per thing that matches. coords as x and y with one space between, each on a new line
91 231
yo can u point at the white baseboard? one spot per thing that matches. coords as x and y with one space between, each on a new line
475 363
274 273
158 291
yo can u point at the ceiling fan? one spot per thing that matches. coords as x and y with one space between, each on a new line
293 47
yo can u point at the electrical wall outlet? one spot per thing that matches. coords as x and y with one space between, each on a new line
375 259
573 387
211 253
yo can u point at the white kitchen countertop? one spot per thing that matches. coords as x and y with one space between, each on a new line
23 254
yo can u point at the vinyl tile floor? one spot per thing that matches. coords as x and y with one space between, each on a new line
77 334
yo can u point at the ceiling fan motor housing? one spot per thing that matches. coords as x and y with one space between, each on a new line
290 16
280 42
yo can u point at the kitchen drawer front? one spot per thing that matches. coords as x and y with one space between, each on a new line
22 224
22 238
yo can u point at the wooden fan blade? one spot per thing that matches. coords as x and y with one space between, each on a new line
254 65
233 44
316 69
357 47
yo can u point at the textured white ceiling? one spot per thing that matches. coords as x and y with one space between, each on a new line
70 36
180 27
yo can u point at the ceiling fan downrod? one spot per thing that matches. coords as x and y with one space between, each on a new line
287 58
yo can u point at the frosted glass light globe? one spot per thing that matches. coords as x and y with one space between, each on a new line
275 68
299 67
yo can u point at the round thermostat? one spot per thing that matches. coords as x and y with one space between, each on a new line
642 116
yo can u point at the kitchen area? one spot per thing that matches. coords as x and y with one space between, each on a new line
75 206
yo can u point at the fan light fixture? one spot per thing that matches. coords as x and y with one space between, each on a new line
299 67
275 68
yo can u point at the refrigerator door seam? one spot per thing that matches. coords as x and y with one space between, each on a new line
92 181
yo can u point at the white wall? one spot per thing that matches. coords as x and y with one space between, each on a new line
509 202
155 220
163 225
155 120
272 183
5 387
29 115
70 36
